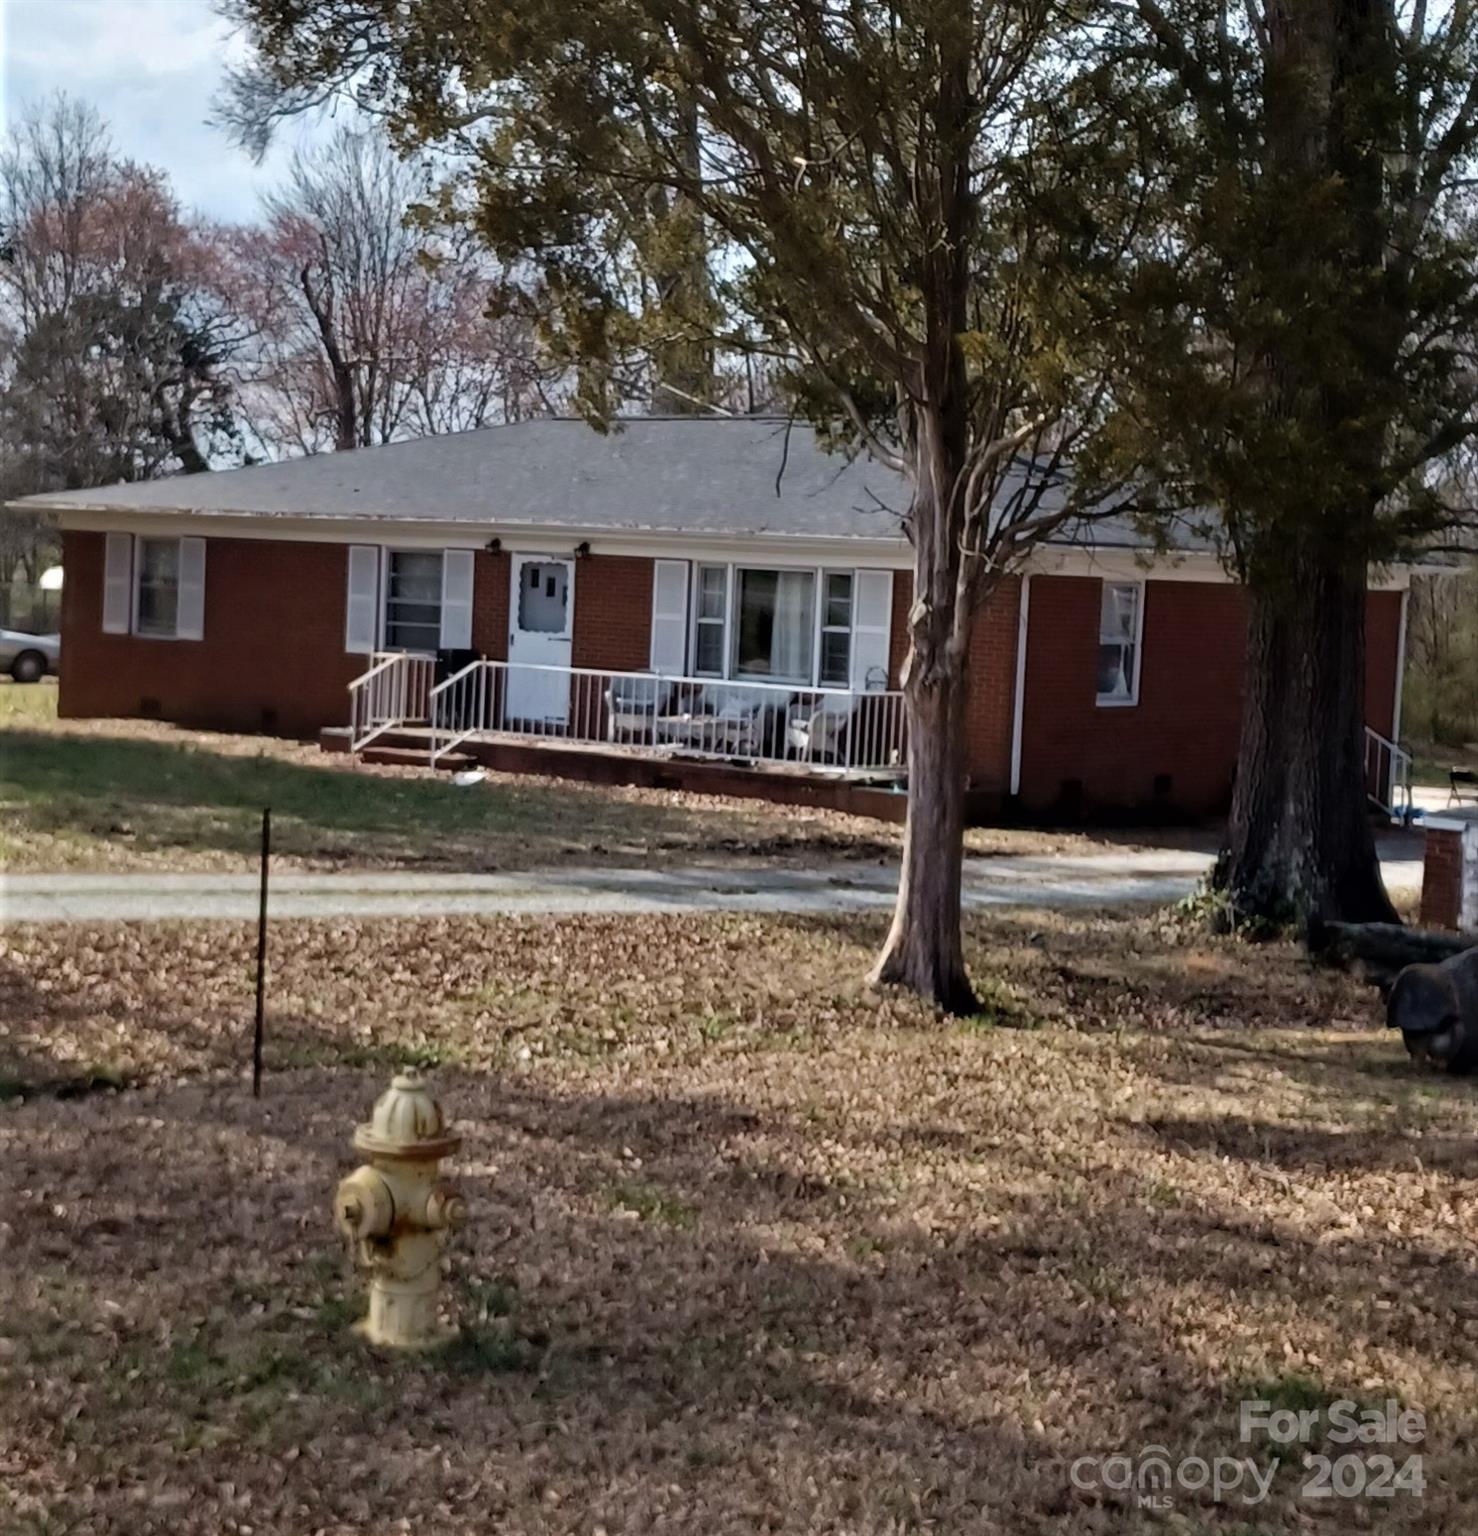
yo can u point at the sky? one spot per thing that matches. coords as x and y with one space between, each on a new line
150 67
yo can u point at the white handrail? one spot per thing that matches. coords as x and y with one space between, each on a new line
442 710
841 731
1388 775
393 692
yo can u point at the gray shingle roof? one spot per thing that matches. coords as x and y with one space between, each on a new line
725 476
712 475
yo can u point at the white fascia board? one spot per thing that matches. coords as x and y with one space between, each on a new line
785 549
1171 565
1125 564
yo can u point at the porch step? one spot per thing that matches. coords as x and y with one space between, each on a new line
414 757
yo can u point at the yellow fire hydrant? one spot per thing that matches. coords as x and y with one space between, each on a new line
398 1210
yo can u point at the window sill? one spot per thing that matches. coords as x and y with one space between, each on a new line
1116 703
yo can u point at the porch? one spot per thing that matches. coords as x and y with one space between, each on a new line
599 724
844 748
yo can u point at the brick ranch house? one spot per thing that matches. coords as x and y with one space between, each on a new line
700 602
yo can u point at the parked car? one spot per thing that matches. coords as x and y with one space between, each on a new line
28 658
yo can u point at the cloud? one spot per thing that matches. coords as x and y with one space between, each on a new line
151 67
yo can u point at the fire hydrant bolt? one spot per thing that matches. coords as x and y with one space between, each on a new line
398 1211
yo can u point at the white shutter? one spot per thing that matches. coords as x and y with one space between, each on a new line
117 583
362 609
669 616
456 600
872 627
190 615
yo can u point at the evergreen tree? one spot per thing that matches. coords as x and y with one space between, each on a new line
1307 360
908 203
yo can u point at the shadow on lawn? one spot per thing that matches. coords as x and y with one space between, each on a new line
159 797
1303 1149
790 1354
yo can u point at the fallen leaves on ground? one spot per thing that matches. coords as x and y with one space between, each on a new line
752 1247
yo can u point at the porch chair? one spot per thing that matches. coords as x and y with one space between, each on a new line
817 730
1462 784
633 706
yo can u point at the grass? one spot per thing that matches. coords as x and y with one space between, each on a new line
139 795
780 1253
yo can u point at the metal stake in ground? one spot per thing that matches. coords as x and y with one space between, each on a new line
256 1041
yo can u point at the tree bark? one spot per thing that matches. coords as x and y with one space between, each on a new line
924 950
1381 951
1299 845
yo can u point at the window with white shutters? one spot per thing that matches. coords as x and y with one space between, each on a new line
362 605
669 652
118 584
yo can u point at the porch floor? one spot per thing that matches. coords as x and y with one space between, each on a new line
782 783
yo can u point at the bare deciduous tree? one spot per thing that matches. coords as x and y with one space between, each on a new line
371 325
115 331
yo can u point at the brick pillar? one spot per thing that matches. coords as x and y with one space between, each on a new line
1442 876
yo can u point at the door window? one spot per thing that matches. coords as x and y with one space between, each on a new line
543 597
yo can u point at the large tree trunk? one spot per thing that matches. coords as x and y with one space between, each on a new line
924 950
1299 843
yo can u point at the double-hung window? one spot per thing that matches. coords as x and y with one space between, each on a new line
803 626
711 620
413 600
1120 628
157 588
836 629
154 587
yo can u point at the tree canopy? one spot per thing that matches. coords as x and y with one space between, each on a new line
916 209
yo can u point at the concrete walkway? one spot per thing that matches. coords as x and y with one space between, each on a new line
1045 881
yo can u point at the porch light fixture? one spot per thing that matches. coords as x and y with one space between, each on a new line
582 549
493 546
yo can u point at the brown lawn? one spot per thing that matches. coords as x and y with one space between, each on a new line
753 1249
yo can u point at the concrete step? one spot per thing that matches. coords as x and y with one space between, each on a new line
413 757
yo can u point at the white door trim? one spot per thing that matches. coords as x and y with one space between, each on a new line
532 695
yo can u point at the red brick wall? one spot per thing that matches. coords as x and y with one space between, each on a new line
898 633
1442 879
272 658
1382 647
1190 698
613 610
1188 718
490 578
993 690
613 613
993 679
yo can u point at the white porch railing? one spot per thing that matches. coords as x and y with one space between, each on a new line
831 730
395 691
1388 775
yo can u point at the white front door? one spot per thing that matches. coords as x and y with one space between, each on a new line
541 613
